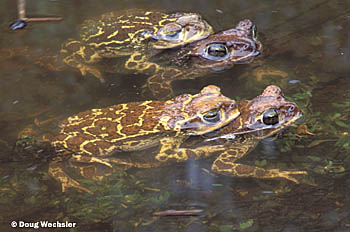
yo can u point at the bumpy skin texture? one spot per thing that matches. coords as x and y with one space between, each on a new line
219 51
93 139
261 117
144 39
120 127
122 33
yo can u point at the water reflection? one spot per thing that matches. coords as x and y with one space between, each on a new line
309 40
197 180
268 148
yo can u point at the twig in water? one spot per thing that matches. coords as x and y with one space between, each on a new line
21 6
171 212
22 20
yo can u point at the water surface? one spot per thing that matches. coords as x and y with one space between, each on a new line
306 53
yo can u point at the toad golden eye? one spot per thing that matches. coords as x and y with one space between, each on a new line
212 116
217 50
270 117
170 31
172 35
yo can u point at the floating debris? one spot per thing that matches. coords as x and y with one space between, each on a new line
293 81
18 24
267 192
21 6
302 130
44 19
23 20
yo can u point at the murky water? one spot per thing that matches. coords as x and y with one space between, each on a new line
306 53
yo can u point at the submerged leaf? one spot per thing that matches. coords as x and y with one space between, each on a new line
247 224
314 158
217 185
342 124
226 228
318 142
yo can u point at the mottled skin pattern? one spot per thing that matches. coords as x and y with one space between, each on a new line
250 127
94 135
217 52
93 139
165 47
122 33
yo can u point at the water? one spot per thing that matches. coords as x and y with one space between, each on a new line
306 52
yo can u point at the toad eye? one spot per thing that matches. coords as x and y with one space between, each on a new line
212 116
270 117
217 50
170 31
172 35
